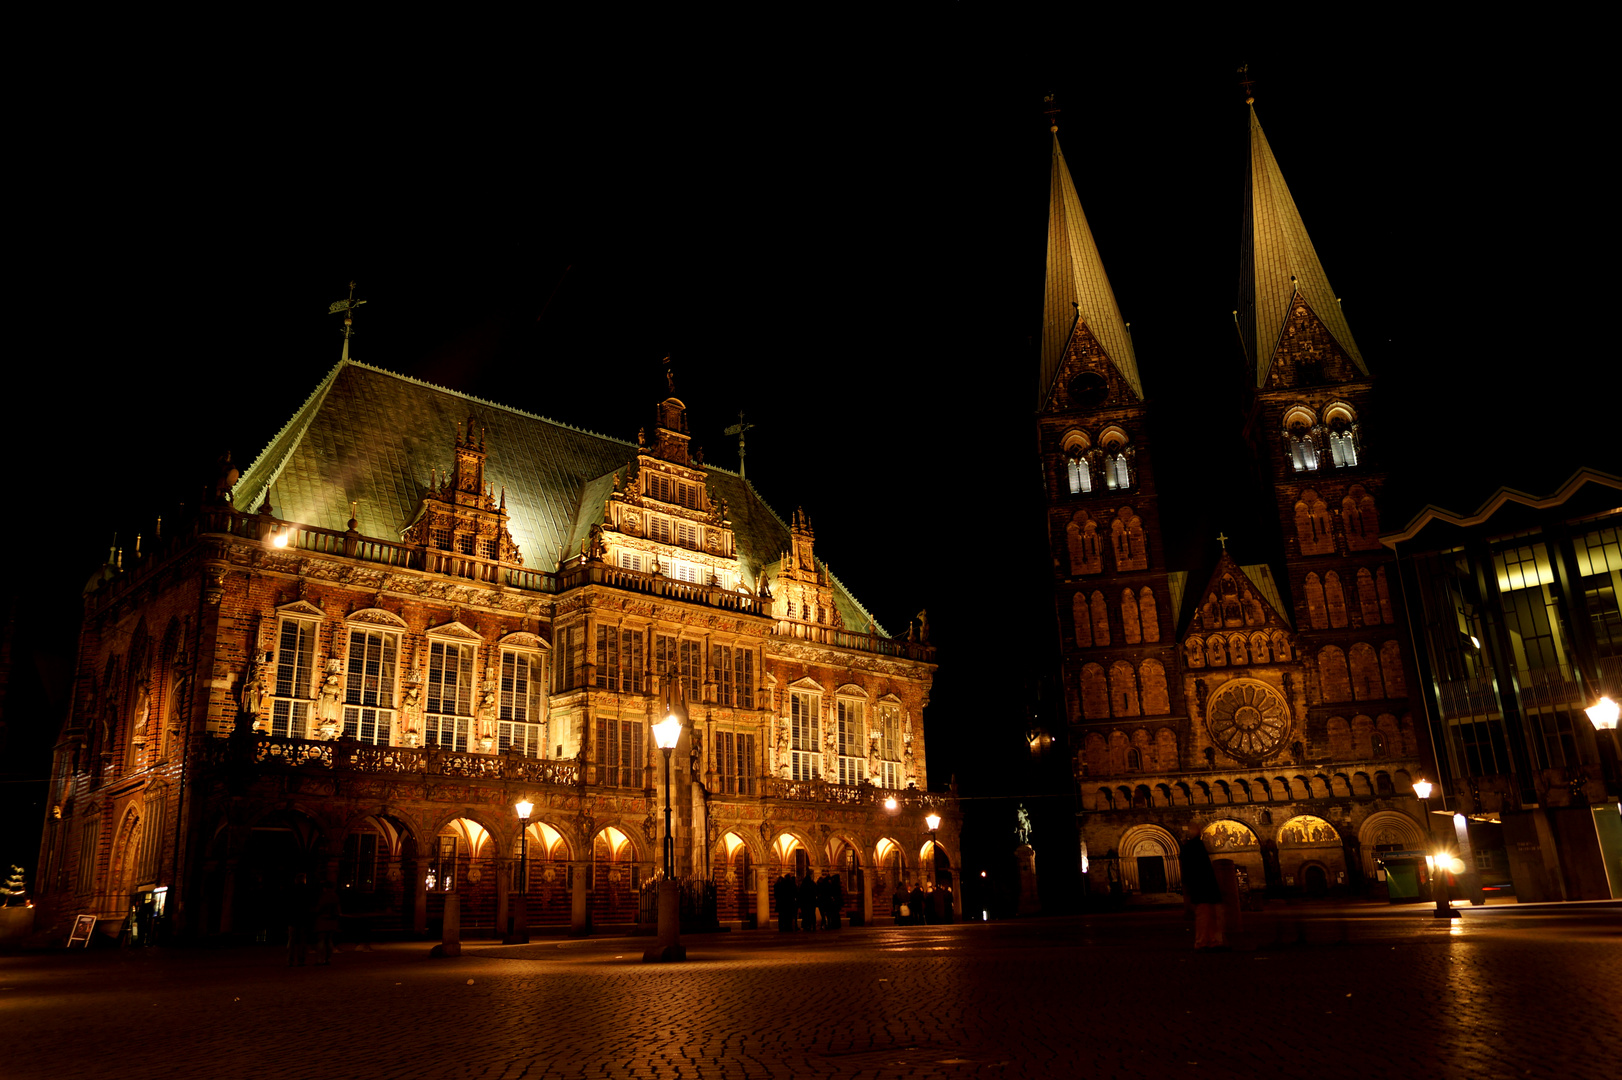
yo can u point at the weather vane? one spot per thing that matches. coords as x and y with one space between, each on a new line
738 429
1247 82
348 308
1051 112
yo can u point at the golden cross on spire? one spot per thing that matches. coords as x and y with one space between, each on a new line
1223 540
1247 82
1051 112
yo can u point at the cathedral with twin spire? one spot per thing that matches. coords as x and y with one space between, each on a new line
1262 705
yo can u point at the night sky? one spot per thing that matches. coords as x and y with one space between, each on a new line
846 242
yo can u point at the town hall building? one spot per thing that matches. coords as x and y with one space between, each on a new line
416 610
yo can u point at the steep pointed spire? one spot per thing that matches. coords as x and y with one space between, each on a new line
1277 262
1077 287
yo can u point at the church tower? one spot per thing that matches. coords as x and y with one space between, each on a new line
1307 426
1262 706
1117 603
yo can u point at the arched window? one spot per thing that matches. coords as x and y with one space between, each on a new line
1156 702
1128 539
1194 652
1216 654
1094 693
1081 538
1281 646
1148 614
1134 759
1342 433
1391 670
1361 519
1368 601
1300 440
1100 612
1317 611
1083 620
1237 651
1130 630
1335 599
1117 458
1077 472
1313 529
1333 679
1366 684
1258 648
1123 689
1384 594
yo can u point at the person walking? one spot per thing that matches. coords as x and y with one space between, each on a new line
916 903
1201 892
326 922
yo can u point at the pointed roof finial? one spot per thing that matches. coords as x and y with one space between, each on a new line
1247 82
347 307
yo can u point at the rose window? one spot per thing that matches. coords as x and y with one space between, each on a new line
1248 718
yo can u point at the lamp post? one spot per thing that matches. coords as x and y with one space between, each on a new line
1444 910
666 733
520 930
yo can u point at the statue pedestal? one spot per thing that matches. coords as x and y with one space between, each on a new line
1030 901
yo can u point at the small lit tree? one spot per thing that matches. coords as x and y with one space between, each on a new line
15 886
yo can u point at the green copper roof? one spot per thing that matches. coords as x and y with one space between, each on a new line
373 437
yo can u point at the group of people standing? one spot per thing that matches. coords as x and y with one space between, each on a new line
920 906
812 897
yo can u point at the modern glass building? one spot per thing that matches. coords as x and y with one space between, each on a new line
1515 617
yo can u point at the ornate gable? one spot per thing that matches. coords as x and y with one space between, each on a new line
1307 354
1236 622
460 513
378 617
1086 378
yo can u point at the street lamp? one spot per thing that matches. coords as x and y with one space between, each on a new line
1602 714
934 822
520 916
1436 862
666 733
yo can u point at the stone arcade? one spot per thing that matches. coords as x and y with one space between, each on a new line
432 607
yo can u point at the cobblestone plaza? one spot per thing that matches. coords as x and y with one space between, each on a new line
1321 991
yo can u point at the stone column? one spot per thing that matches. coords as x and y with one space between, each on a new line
763 898
867 895
503 886
419 896
577 898
450 937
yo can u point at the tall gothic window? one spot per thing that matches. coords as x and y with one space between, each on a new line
450 694
369 690
805 741
889 746
519 726
852 736
295 664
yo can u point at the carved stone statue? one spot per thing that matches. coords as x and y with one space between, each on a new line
143 711
329 700
251 699
923 627
409 712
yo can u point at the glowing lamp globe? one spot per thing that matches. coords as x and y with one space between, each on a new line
1422 788
524 807
933 821
666 732
1602 714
